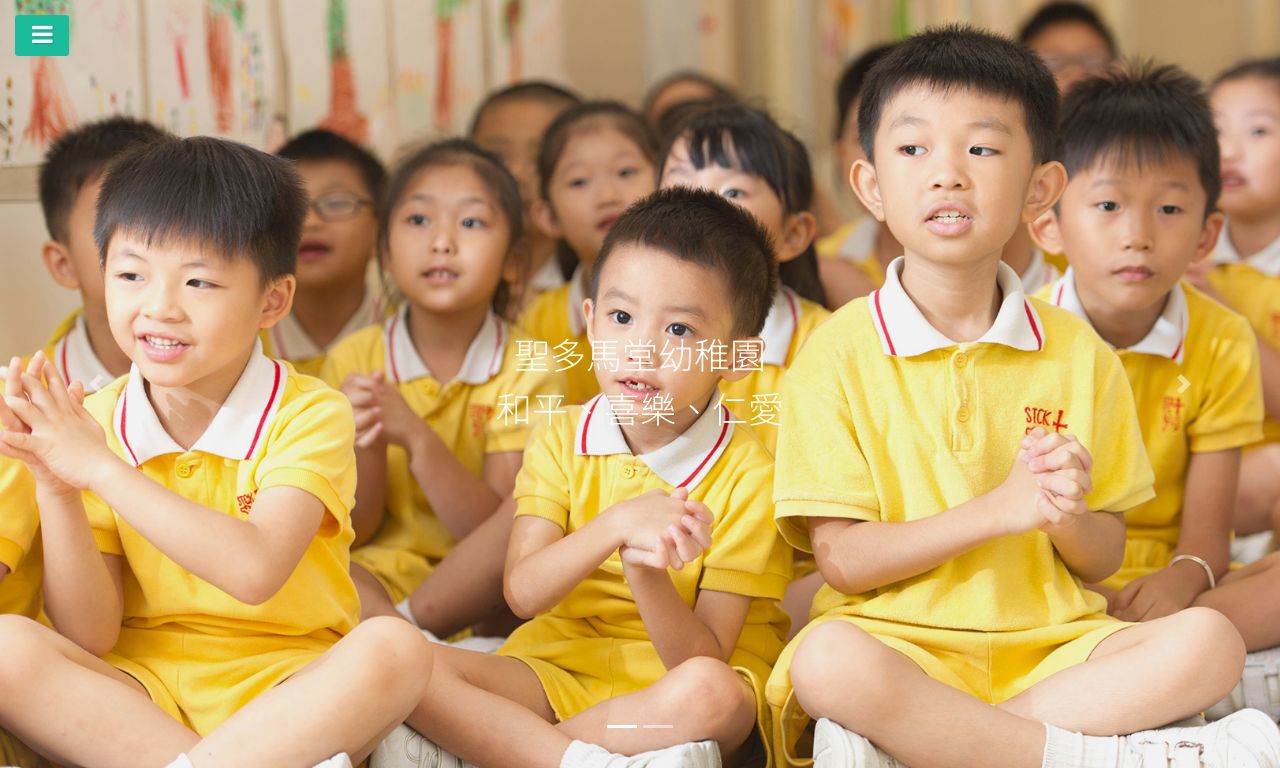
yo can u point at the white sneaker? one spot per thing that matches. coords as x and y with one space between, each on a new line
1246 739
340 760
1259 687
836 747
694 754
406 748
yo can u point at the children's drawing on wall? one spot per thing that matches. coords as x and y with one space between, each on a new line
344 112
210 67
46 95
525 40
339 76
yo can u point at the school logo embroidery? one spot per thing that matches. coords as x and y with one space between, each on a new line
1050 419
245 502
1171 420
480 415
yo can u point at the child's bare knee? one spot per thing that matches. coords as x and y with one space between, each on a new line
1210 642
708 690
394 650
837 657
24 644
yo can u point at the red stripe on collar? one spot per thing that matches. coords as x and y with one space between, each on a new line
724 429
884 327
275 389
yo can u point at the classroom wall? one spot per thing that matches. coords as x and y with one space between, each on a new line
786 54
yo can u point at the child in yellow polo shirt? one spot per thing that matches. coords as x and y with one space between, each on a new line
642 548
445 390
1131 229
1246 276
335 296
954 454
596 159
195 512
81 348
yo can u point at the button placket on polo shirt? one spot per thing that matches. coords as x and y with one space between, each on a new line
960 381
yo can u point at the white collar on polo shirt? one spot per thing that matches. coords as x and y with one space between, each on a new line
780 327
681 463
904 331
576 295
75 360
1038 273
236 430
860 244
1266 261
1165 339
291 342
483 360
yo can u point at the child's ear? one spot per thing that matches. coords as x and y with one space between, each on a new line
1047 233
588 313
516 257
1047 184
546 220
862 177
278 301
798 233
740 366
1209 234
57 259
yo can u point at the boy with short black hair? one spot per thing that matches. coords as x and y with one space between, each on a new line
335 298
1141 151
195 513
643 552
977 448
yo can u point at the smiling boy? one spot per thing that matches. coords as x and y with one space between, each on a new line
196 512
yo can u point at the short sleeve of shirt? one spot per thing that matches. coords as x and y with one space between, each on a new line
1122 476
822 470
1232 412
102 521
524 399
350 356
312 448
542 486
747 555
19 519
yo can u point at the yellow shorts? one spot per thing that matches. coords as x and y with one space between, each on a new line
399 571
803 564
202 679
579 668
991 666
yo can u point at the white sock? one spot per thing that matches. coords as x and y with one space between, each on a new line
1067 749
182 761
403 608
580 754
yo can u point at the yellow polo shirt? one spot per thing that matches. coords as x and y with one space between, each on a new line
1198 388
503 388
556 318
276 428
593 645
889 420
287 340
20 547
200 653
1251 286
755 398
